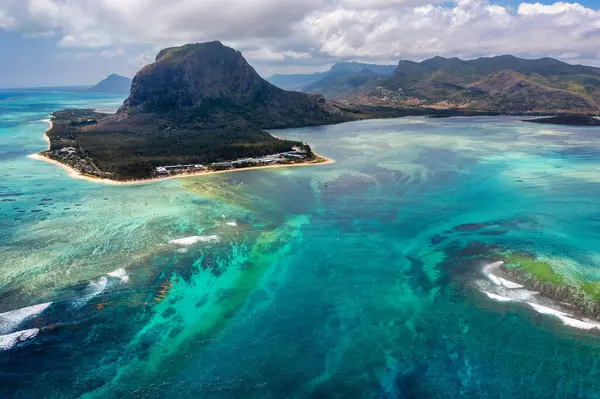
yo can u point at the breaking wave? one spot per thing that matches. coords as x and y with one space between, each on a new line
488 271
93 289
497 297
120 274
8 341
9 321
187 241
566 318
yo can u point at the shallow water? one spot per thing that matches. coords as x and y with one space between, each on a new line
357 279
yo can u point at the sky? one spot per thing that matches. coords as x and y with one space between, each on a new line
79 42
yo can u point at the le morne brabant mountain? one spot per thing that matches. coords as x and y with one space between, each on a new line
113 84
196 104
503 84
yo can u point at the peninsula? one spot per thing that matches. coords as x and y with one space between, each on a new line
568 120
197 108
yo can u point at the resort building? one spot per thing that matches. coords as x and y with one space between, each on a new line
222 165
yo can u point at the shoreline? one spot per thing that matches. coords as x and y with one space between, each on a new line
78 175
50 126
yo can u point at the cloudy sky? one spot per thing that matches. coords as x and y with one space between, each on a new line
71 42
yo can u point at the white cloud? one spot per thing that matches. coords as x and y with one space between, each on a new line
470 27
7 21
113 53
273 32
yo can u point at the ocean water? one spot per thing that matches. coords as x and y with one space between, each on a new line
357 279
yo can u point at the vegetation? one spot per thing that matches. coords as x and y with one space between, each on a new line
538 269
539 276
504 84
569 120
132 155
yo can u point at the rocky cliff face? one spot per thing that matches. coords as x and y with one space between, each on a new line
213 85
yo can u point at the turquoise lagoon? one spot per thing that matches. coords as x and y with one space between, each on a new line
358 279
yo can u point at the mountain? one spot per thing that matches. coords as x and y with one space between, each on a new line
349 68
211 85
296 82
198 103
501 84
113 84
341 78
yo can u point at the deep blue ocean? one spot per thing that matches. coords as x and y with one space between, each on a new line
360 279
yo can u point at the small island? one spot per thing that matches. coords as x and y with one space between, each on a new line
567 120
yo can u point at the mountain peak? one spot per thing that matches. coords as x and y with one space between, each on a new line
213 84
190 48
192 75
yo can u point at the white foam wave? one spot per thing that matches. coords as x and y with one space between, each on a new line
497 297
566 318
520 295
233 224
93 289
11 320
187 241
517 295
8 341
96 287
509 284
120 274
488 271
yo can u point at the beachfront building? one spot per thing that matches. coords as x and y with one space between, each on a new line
161 170
68 150
298 150
184 167
165 170
293 155
222 165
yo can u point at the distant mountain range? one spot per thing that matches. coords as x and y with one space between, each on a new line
504 84
113 84
342 77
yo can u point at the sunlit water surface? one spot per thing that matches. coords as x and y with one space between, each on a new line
346 280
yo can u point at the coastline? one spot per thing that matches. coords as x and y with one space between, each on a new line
50 126
77 175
